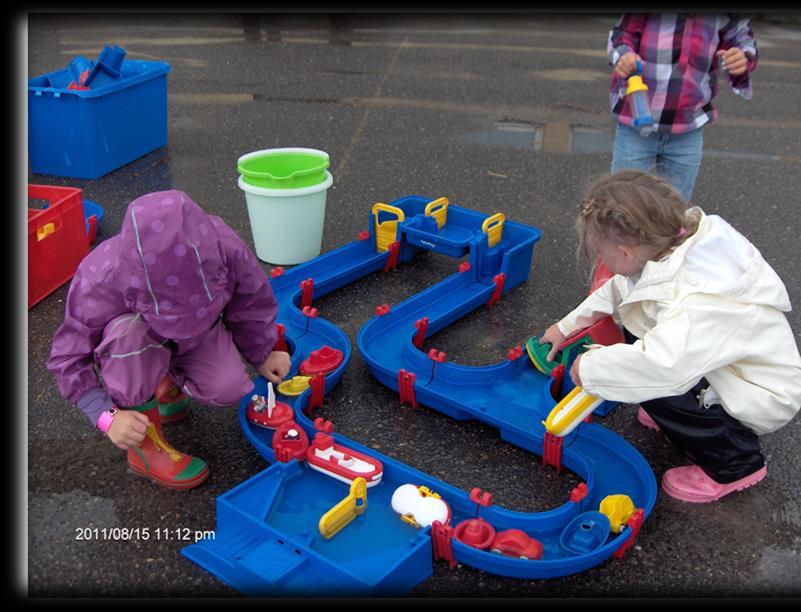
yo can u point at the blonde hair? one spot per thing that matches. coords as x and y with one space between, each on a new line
633 208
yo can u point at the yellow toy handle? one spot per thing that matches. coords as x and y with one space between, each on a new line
44 231
345 511
493 227
386 232
568 413
438 209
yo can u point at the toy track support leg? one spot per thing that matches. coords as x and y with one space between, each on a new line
441 537
317 384
635 522
307 288
422 329
499 280
406 388
392 261
552 451
281 345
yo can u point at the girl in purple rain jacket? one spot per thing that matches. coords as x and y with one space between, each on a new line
165 310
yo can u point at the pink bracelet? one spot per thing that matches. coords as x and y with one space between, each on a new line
105 420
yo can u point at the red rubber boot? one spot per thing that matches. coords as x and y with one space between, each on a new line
158 460
173 403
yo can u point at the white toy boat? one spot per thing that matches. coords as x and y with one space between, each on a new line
342 463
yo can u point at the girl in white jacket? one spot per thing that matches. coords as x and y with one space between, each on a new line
710 356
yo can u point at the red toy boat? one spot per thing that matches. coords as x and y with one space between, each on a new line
290 442
342 463
321 361
259 414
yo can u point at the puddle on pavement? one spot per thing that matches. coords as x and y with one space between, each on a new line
558 137
552 137
270 28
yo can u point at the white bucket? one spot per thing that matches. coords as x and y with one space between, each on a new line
287 224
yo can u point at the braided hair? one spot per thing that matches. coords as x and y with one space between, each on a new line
632 207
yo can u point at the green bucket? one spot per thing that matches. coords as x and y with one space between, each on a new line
290 168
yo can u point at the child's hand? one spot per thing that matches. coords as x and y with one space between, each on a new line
627 64
555 337
276 366
128 428
574 372
733 61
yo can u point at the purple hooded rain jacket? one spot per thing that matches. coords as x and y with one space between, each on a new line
177 266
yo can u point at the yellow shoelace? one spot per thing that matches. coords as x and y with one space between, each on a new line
161 444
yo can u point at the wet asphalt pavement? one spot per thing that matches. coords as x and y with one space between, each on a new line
498 113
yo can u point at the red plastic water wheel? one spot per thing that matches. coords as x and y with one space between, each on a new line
476 532
321 361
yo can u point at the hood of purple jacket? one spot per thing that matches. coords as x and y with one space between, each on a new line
171 253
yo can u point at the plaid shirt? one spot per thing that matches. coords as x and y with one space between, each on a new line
679 64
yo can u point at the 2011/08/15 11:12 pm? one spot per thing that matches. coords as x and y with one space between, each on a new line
183 534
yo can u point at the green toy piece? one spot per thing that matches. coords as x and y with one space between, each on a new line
538 353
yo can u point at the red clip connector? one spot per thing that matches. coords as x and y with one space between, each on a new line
499 280
635 522
364 235
320 424
382 310
514 354
394 251
406 388
310 312
464 267
276 272
436 355
422 329
579 493
552 451
441 536
482 498
307 288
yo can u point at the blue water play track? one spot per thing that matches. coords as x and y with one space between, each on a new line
267 540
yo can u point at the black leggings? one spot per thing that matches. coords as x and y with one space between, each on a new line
716 442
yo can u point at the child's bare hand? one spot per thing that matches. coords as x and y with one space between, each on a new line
574 372
128 428
733 61
276 366
555 337
627 64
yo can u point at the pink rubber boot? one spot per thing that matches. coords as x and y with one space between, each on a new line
645 419
691 484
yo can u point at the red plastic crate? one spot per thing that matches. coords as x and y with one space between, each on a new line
57 240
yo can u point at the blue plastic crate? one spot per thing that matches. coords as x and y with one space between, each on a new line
89 133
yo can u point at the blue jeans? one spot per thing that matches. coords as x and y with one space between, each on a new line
674 157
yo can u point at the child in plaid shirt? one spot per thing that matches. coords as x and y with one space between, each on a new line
680 56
